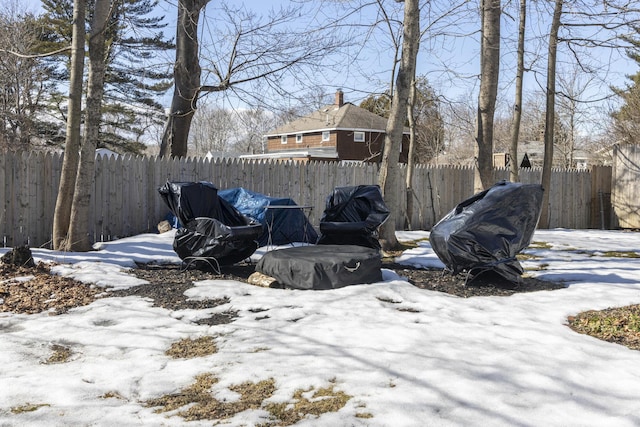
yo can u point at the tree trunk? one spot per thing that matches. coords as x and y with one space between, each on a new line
186 74
550 115
79 239
62 212
517 107
389 171
410 156
489 73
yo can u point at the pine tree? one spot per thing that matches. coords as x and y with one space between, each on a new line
133 79
627 119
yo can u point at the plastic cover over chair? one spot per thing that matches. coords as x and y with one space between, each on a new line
211 227
486 231
287 225
352 216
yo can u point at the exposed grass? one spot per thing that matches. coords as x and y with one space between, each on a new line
540 267
364 415
27 407
189 348
618 325
113 395
540 245
321 401
606 254
200 404
390 256
60 354
410 244
526 257
621 254
198 393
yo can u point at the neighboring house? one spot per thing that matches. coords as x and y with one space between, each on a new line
106 152
340 131
531 154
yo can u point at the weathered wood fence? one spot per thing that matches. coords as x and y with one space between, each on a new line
626 189
126 201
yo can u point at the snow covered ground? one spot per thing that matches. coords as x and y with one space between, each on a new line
407 356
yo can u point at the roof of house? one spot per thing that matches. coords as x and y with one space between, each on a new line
309 153
106 152
333 117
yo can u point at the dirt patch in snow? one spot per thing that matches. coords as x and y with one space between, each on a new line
34 289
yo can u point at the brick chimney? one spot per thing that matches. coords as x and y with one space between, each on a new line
339 98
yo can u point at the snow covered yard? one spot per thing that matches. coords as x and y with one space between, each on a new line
395 354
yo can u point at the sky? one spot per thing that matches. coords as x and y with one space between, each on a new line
407 356
449 58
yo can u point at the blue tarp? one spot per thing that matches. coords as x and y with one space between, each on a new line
288 225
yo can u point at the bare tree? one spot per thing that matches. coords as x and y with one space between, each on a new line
517 106
213 130
490 11
549 125
24 80
78 235
409 193
186 76
62 213
389 174
254 124
428 125
247 54
571 107
459 117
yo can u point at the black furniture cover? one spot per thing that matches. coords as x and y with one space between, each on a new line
211 229
486 231
352 216
322 266
287 225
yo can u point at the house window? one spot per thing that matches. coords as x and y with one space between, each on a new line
299 138
325 136
358 137
283 139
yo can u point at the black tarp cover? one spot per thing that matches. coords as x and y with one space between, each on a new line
287 225
486 231
322 266
352 216
211 227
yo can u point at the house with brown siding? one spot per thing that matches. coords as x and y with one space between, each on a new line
340 131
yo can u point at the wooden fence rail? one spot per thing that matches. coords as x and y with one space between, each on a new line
126 201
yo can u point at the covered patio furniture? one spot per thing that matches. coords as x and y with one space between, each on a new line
352 216
212 232
486 231
283 221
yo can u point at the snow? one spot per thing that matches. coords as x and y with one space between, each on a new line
407 356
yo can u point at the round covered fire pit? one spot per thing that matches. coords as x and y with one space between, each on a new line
322 266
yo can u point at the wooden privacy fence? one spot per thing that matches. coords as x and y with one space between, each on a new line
125 200
626 191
